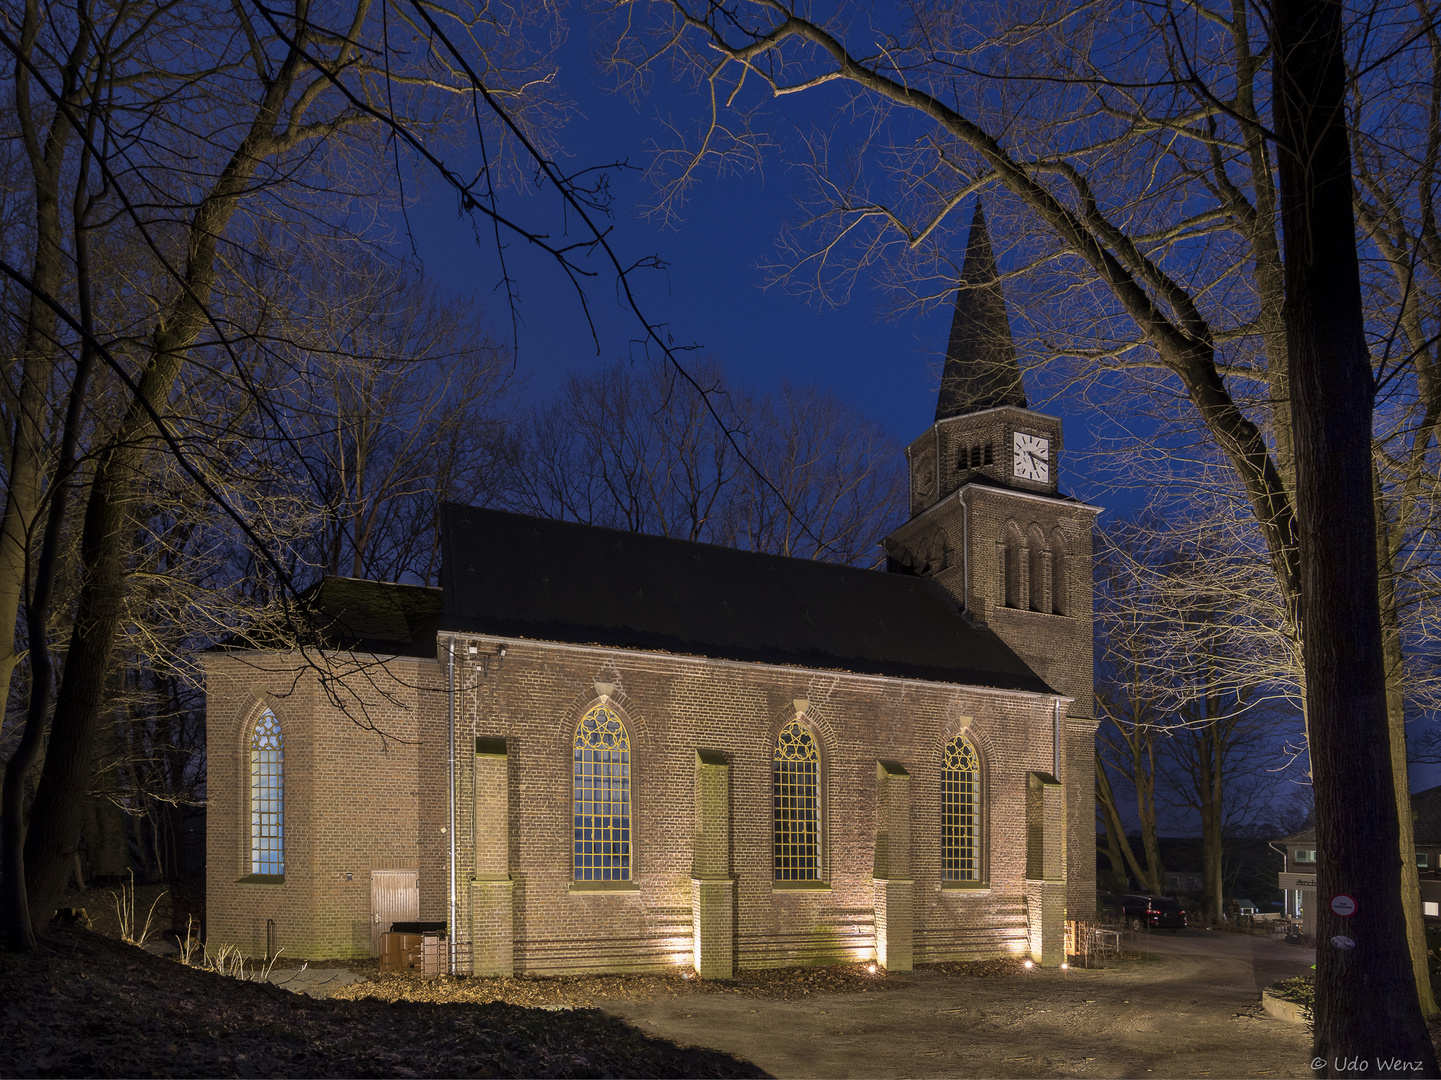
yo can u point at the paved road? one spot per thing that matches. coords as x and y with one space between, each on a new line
1259 960
1189 1008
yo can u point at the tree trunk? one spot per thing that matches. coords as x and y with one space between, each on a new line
106 536
1120 843
1396 727
1208 789
1146 811
1367 1012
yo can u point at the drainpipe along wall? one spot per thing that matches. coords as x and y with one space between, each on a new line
450 735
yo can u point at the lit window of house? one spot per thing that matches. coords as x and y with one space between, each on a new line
1306 855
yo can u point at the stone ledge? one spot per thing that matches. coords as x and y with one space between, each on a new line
600 888
1282 1009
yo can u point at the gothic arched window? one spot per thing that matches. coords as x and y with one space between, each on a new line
797 805
1060 601
960 812
267 796
602 797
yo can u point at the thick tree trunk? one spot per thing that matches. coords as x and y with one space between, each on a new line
27 452
107 535
1367 1013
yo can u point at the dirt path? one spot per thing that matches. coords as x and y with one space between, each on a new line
1191 1008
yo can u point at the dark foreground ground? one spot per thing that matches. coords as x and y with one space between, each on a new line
94 1006
1182 1004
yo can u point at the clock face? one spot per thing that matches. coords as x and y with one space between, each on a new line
1031 457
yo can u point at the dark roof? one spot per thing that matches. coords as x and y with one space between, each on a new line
356 615
1426 810
981 369
515 576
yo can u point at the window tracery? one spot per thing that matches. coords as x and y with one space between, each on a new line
602 850
797 805
960 812
267 796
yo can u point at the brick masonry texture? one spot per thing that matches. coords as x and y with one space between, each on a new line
366 771
366 789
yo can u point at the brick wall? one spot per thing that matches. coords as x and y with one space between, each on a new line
359 795
366 789
673 707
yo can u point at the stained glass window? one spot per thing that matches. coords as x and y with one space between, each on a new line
797 805
960 812
267 796
602 797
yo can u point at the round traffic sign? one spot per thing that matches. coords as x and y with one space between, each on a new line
1343 905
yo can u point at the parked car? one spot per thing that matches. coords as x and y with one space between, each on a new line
1159 911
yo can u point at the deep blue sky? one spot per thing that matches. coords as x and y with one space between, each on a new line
711 294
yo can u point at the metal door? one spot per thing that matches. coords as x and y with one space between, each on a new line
394 897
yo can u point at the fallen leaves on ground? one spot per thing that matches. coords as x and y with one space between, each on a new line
585 991
92 1006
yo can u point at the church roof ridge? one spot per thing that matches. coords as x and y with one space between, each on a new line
981 370
511 575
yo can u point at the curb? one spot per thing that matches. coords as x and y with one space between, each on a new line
1282 1009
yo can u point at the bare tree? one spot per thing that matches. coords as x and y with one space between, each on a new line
1145 179
394 398
180 156
634 447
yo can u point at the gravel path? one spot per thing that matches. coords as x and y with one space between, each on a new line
1190 1007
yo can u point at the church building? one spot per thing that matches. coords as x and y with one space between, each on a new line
599 751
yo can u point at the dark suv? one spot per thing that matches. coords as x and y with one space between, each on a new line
1160 911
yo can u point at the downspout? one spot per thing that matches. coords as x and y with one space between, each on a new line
1056 741
965 551
450 731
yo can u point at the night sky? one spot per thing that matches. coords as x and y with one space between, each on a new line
711 295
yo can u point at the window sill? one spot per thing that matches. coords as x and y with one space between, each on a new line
583 887
261 879
967 888
800 886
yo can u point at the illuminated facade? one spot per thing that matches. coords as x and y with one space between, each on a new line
593 750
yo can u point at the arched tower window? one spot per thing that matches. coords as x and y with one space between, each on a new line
267 796
960 812
1060 601
797 805
1011 566
1039 553
602 797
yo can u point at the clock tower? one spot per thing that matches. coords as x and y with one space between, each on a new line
990 525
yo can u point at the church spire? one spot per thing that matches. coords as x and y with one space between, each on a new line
981 369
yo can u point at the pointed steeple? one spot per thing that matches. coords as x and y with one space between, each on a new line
981 369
